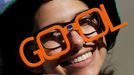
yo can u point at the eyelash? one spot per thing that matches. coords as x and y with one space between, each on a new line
90 34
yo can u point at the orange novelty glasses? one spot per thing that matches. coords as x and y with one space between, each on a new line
59 34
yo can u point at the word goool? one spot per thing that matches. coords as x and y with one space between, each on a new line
41 51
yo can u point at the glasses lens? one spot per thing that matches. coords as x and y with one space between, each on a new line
53 40
91 25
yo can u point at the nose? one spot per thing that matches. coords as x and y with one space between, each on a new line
76 40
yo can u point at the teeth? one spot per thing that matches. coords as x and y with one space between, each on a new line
82 57
79 59
75 60
89 54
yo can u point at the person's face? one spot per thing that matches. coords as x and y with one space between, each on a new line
81 59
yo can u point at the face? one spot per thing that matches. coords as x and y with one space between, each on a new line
84 57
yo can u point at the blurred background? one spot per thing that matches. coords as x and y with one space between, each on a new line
123 52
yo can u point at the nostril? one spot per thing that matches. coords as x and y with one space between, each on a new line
74 50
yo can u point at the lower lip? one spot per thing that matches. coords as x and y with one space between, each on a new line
83 63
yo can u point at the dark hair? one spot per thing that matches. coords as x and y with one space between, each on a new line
17 22
20 17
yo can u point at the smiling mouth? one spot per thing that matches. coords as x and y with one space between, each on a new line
79 60
82 57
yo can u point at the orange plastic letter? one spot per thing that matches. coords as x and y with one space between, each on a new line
22 55
112 29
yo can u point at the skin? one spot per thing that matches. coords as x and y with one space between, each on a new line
64 11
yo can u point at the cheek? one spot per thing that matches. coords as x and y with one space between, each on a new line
101 56
103 50
103 53
52 44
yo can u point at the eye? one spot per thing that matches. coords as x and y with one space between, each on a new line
52 40
84 20
91 34
53 35
88 30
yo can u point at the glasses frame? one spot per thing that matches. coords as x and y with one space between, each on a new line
64 31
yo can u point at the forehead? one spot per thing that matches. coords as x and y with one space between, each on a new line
58 11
